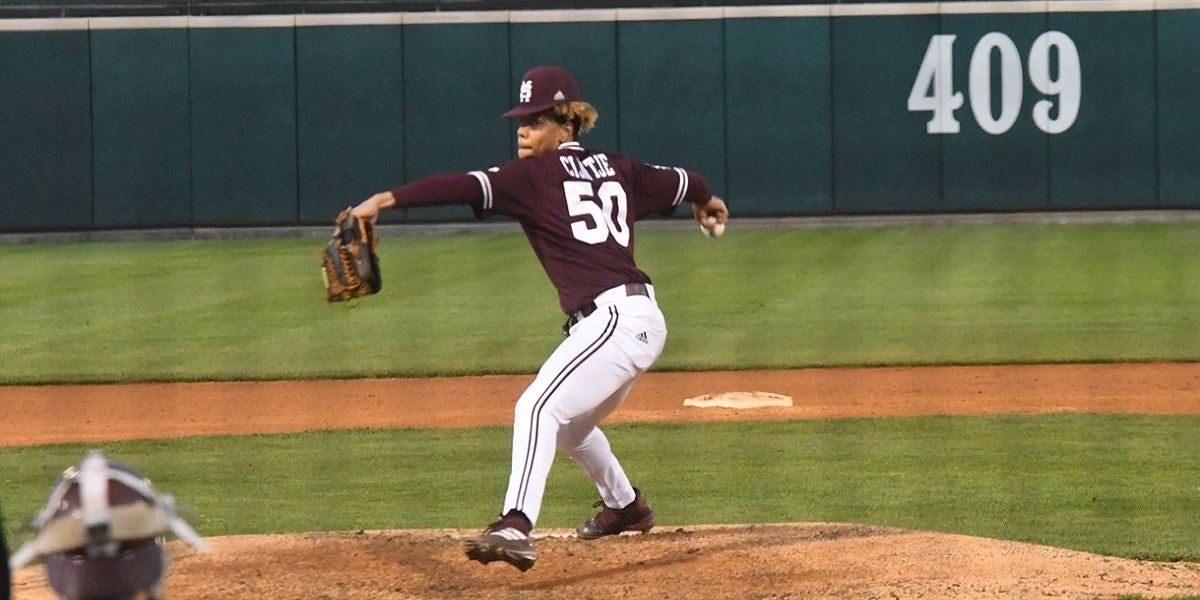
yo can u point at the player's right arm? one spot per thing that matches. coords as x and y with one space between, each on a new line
714 208
664 188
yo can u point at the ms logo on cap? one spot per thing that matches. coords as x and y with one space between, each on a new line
541 88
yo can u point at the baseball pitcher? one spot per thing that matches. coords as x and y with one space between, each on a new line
577 207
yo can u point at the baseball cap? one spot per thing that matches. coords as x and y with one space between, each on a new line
543 87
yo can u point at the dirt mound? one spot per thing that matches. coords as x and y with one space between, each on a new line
815 560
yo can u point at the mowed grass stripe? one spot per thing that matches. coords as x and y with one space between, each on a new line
252 309
1119 485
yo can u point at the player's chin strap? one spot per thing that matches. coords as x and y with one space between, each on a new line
179 527
23 555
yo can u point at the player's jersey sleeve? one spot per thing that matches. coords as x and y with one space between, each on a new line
661 189
437 190
504 190
496 190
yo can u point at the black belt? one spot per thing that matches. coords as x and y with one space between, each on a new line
585 311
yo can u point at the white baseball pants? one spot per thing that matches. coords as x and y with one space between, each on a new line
585 379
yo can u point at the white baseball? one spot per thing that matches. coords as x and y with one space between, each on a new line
712 228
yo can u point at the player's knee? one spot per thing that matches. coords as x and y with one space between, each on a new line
577 437
526 405
567 442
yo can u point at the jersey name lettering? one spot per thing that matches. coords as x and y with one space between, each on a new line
589 169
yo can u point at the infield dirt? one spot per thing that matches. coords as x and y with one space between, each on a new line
810 560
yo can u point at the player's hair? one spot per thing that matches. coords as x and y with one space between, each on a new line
580 114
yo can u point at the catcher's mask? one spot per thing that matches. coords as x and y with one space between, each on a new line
100 533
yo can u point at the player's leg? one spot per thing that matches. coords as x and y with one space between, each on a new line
623 507
641 337
603 354
583 441
579 363
584 371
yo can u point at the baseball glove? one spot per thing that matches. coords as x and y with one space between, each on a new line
349 264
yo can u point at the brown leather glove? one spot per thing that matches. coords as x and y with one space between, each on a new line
350 264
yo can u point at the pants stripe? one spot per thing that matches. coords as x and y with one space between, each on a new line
531 449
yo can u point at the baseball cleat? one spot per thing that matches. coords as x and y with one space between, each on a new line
638 516
505 540
508 545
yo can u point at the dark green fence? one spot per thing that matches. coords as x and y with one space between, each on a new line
787 111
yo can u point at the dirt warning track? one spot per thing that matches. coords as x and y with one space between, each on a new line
34 414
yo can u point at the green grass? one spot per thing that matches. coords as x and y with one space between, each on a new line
1119 485
481 304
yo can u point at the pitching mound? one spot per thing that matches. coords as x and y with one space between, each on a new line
814 560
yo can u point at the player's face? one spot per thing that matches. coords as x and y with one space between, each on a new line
540 134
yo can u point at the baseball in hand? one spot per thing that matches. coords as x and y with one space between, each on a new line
712 228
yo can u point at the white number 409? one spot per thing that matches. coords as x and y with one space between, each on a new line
583 201
933 90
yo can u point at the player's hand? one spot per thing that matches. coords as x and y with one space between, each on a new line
369 209
715 207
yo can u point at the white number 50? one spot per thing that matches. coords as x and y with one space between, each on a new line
583 202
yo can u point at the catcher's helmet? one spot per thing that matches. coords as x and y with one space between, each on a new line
101 532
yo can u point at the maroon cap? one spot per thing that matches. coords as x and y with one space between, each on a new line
542 88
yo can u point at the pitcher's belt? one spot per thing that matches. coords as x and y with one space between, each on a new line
573 317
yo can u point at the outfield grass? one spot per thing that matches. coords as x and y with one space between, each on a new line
481 304
1119 485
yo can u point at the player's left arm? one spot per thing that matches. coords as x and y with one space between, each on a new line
497 190
435 190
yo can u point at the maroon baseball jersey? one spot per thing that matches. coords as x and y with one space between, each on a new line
576 206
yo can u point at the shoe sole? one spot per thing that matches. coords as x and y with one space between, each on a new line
643 526
485 551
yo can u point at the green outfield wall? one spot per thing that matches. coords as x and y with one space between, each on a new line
787 110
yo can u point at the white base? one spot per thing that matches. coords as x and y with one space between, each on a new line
739 400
